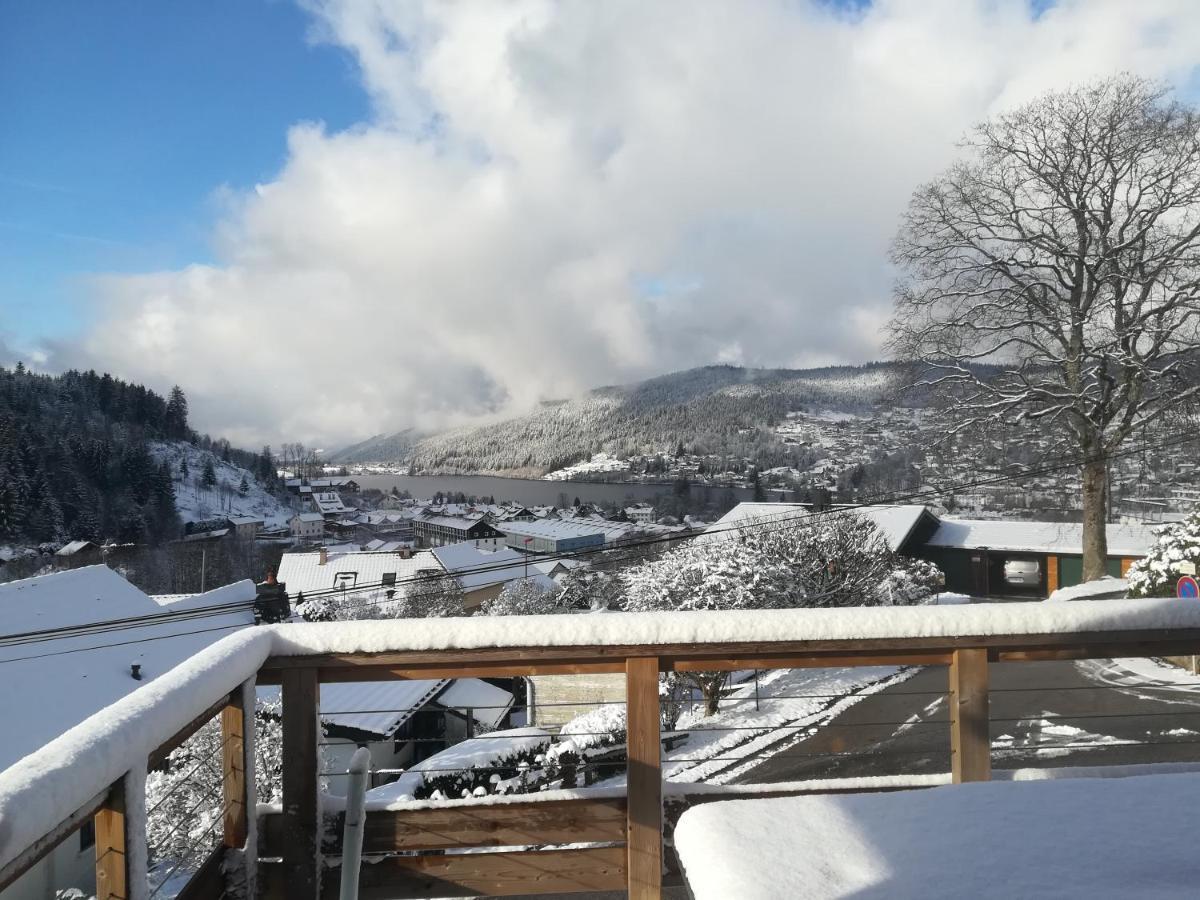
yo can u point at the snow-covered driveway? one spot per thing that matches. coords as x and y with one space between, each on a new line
1096 712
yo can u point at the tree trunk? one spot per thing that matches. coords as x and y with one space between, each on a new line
712 696
1095 519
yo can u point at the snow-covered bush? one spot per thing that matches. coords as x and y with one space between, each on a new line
424 599
523 597
1157 573
912 581
184 800
495 775
587 588
835 560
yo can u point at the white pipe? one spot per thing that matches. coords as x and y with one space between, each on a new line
352 836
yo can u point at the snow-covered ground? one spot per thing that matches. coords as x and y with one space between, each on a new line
196 502
793 704
600 462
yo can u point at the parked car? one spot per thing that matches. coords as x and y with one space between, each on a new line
1023 572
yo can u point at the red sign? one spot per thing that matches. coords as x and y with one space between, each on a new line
1187 588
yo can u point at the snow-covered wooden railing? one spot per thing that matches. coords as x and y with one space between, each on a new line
45 795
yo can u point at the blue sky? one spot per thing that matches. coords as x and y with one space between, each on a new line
119 121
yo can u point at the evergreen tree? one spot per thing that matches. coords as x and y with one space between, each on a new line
176 420
208 476
244 487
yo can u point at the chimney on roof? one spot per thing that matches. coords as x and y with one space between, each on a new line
323 556
135 669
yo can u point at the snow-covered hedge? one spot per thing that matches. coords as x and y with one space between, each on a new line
1156 574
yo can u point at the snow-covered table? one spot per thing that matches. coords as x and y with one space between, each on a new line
1084 838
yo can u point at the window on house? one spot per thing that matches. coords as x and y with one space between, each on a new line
389 578
345 579
87 835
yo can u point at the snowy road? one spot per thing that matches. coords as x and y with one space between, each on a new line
1097 712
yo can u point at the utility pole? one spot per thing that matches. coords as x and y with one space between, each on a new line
203 564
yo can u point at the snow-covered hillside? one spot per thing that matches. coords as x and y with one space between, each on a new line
197 501
723 411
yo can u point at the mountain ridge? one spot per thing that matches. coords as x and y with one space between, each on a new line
718 410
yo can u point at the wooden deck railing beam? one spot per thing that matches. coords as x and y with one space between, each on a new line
644 779
970 725
233 770
112 857
301 732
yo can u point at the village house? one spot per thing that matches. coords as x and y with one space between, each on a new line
329 504
246 528
439 530
482 574
979 557
327 569
307 526
401 722
552 537
642 513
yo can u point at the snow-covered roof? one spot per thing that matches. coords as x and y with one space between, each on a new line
549 566
474 568
329 502
895 522
555 529
304 572
376 707
246 520
308 517
73 548
65 679
381 707
487 703
461 523
1038 537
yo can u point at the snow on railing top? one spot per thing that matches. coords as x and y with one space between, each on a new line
734 626
46 787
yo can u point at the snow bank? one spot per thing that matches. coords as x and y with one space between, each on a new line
1081 838
1106 588
44 788
850 624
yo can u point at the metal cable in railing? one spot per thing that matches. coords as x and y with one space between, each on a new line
183 780
184 859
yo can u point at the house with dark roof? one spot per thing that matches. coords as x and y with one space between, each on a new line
979 557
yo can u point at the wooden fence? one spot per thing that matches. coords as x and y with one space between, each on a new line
614 843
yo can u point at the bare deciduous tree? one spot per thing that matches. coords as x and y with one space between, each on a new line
1053 275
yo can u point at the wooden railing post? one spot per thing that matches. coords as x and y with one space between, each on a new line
112 856
233 768
301 812
644 815
970 727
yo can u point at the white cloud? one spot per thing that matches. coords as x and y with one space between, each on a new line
550 196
